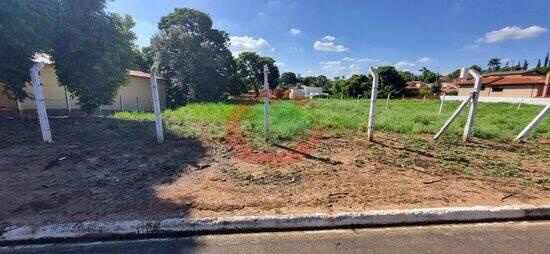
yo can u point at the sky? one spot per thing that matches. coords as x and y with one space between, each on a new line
336 38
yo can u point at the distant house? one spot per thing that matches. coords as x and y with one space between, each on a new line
414 85
135 95
522 84
448 85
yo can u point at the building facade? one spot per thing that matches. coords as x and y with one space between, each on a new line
520 84
135 95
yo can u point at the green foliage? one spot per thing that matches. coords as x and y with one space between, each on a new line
93 68
194 58
288 79
494 64
390 81
250 69
91 48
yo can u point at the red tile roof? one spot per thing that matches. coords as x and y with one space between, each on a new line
506 80
141 74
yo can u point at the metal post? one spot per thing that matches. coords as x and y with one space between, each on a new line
266 104
372 111
40 104
156 102
533 123
473 108
441 106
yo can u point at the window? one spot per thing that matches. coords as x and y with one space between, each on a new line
497 88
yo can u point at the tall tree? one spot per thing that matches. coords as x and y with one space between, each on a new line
539 64
90 47
494 64
288 78
546 59
525 65
250 67
194 57
390 81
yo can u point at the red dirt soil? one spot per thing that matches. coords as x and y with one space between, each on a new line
244 151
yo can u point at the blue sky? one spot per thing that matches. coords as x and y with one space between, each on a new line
345 37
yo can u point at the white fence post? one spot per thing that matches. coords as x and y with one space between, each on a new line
19 109
372 111
441 106
39 99
266 103
533 124
156 102
453 116
473 108
387 101
519 104
67 102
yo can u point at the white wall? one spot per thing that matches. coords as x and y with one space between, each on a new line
535 101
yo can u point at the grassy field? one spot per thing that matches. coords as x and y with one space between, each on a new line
495 121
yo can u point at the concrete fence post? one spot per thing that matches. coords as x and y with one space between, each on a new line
372 110
473 108
266 104
442 101
156 102
40 104
19 108
532 124
67 102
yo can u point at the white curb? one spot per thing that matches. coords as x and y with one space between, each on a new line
135 228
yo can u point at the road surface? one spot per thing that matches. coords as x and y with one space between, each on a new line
505 237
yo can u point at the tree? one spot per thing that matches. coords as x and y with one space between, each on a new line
427 75
289 79
407 76
194 57
476 68
22 37
142 59
250 68
494 64
90 47
538 64
390 81
322 81
546 59
92 52
525 65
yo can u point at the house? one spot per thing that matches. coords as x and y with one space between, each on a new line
520 84
448 85
135 95
414 85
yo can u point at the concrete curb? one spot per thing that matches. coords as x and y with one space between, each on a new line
186 226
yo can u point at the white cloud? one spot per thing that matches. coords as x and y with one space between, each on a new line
329 46
332 66
280 64
359 60
425 60
295 31
246 43
404 64
471 46
511 33
329 38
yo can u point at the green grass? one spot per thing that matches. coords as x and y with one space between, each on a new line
192 120
495 121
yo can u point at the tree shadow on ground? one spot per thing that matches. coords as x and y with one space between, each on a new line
97 169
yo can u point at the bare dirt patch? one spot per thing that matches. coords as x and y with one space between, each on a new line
113 169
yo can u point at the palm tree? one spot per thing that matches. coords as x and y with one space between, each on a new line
494 64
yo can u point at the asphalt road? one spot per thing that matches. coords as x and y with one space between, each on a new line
506 237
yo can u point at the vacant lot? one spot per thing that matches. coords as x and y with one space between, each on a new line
214 162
